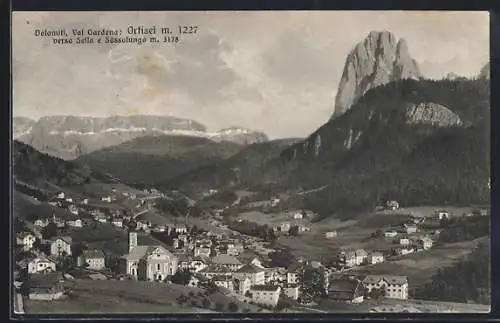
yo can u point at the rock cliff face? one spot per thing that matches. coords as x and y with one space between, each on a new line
379 59
70 137
431 113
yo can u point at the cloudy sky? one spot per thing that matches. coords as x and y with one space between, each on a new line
275 72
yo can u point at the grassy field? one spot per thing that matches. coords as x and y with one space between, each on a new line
128 297
396 306
428 211
270 219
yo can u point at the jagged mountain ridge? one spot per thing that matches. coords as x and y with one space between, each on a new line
158 158
69 137
377 60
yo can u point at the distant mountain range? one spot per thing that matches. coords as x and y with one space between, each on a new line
70 137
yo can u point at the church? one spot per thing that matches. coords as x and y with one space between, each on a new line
149 262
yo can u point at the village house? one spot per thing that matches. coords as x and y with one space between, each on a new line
351 258
265 295
424 243
60 195
61 246
180 229
291 291
42 265
345 290
94 259
392 205
275 201
330 234
292 277
230 262
46 287
68 199
297 216
101 217
224 282
26 239
118 223
390 234
410 228
75 223
149 262
242 286
375 258
394 286
404 250
85 201
106 199
404 242
42 223
441 214
141 225
202 251
285 227
212 271
252 272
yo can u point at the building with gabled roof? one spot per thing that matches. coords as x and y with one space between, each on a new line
60 246
252 272
230 262
95 259
265 294
149 262
394 286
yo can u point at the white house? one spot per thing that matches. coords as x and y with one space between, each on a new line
442 214
252 272
106 199
41 264
330 234
69 199
292 277
202 251
118 223
94 259
60 195
291 291
404 241
375 257
285 227
180 229
230 262
73 209
390 234
298 216
425 243
224 282
395 286
392 205
61 246
85 201
265 295
75 223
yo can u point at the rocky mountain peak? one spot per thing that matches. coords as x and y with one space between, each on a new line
378 59
431 113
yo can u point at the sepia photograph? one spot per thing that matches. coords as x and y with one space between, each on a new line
271 162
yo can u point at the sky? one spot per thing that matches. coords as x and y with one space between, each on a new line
271 71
